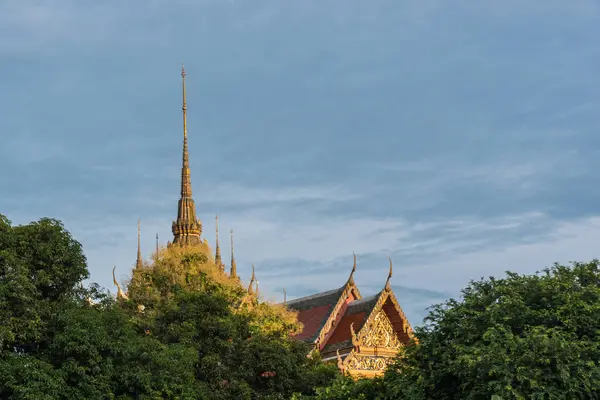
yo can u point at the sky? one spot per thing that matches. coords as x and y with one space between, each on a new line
460 138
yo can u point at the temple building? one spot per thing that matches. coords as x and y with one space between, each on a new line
361 334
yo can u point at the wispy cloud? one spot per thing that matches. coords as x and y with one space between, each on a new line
459 138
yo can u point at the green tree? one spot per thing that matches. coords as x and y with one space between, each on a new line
521 337
187 331
243 345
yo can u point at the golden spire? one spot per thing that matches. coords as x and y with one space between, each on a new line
218 249
252 281
233 271
388 286
138 262
256 291
187 228
284 296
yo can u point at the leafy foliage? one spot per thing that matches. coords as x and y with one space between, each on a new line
522 337
187 331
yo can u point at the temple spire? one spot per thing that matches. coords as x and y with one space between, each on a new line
187 228
186 184
138 262
218 248
233 271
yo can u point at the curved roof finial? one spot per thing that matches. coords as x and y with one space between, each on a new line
252 282
340 361
387 283
120 294
350 278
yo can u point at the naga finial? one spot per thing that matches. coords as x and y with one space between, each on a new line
120 293
340 361
355 339
252 282
351 277
387 283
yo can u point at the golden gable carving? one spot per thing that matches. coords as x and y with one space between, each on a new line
381 333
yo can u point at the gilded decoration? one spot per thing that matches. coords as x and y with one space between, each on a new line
381 334
368 363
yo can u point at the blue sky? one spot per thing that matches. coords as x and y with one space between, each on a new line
461 138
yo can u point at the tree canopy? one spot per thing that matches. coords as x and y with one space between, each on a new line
521 337
186 330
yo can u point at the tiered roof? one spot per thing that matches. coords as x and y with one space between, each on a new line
340 323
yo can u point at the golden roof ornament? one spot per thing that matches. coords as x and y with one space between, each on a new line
252 281
388 286
218 248
233 270
340 362
120 293
351 277
356 342
187 228
284 296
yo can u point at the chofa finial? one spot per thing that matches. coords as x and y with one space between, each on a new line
350 278
120 294
387 283
340 361
252 282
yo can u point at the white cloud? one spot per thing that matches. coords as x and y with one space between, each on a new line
565 241
441 255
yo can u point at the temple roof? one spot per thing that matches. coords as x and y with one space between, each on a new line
356 314
314 310
316 300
